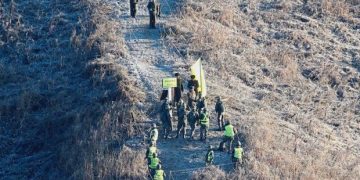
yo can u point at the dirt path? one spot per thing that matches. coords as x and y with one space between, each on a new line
149 60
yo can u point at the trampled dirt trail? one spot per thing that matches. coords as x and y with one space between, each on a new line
149 60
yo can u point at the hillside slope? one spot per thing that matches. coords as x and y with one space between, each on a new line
290 72
65 104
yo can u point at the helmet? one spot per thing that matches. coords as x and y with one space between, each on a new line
210 146
154 125
159 166
238 143
152 143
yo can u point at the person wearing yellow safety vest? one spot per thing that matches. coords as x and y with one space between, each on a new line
159 173
151 151
237 155
209 158
229 134
204 125
154 162
154 134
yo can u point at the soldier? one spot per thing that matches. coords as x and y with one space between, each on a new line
229 135
192 118
166 118
201 104
191 98
152 12
154 162
150 152
179 89
209 157
237 155
220 109
154 134
181 127
159 173
193 83
158 10
133 7
204 125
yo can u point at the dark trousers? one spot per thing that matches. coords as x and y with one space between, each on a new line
152 19
158 12
220 119
192 126
237 162
228 140
133 9
181 128
166 130
203 132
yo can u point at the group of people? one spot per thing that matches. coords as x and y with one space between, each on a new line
196 113
153 7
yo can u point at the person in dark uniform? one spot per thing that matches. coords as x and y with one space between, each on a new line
133 7
152 12
179 89
193 83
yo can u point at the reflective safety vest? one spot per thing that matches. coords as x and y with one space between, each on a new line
229 131
154 134
210 156
154 163
205 120
152 150
159 174
238 152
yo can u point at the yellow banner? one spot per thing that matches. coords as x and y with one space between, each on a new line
198 71
169 83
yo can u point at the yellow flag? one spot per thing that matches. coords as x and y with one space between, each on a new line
198 71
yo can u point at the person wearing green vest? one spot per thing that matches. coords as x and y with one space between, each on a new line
229 134
237 155
154 162
204 125
151 151
159 173
154 134
209 157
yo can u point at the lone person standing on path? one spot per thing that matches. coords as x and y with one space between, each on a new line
220 109
133 7
152 12
179 88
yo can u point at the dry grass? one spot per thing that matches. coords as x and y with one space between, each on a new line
66 105
291 68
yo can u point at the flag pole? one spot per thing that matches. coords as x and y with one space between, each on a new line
201 87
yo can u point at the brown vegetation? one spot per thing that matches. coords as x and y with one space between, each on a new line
294 69
66 107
